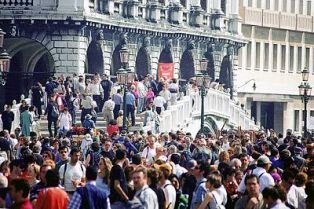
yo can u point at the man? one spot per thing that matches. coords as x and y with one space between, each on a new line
7 118
40 185
118 182
107 150
175 158
72 174
295 195
130 106
19 191
90 196
142 91
118 100
265 179
53 113
106 85
149 152
52 197
159 103
170 193
165 93
146 195
254 198
200 172
297 158
63 151
272 197
108 110
49 87
96 90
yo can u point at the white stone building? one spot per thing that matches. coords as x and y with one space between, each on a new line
281 45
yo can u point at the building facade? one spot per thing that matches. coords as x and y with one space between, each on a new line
50 37
281 45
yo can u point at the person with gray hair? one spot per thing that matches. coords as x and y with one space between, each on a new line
236 163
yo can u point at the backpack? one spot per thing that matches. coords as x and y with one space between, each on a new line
54 111
182 201
94 158
136 202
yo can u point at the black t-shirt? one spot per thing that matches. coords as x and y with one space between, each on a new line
160 196
4 144
117 173
109 154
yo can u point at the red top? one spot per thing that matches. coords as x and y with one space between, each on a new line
23 205
112 128
52 198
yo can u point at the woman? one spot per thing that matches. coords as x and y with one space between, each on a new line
213 198
152 181
223 157
35 125
102 180
112 127
182 200
33 174
64 121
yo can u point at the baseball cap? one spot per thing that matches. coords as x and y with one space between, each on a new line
263 160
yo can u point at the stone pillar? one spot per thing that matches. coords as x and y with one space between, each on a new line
176 14
109 7
235 19
133 8
196 13
154 12
258 112
217 19
73 5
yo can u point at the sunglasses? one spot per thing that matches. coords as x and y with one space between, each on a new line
45 156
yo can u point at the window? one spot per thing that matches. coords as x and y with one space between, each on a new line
293 6
296 120
204 5
266 56
258 53
307 57
311 113
275 55
268 4
291 58
299 58
276 5
283 58
248 53
308 12
284 6
259 4
301 7
250 3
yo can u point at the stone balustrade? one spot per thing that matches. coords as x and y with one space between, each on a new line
217 104
151 11
282 20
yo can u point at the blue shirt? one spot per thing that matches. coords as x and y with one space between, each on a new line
199 193
130 98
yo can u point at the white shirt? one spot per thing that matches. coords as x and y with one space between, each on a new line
141 89
65 120
170 194
165 94
87 103
76 172
265 180
180 170
109 105
159 101
95 89
296 197
149 154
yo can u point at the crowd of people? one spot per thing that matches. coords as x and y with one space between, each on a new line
117 169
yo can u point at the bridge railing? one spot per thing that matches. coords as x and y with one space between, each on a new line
217 103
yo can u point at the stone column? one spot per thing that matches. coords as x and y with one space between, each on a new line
196 13
154 12
109 7
176 13
133 8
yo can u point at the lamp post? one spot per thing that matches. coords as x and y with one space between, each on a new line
124 77
4 60
203 81
305 93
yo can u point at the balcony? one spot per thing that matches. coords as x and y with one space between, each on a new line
274 19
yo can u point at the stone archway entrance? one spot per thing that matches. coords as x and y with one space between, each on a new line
116 61
94 59
142 64
187 69
31 62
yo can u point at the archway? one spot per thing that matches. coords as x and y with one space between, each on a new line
210 126
187 69
116 61
31 62
165 56
94 59
211 63
225 75
142 64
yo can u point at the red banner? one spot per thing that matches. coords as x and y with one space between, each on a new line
166 70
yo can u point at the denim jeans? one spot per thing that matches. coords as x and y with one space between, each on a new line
141 104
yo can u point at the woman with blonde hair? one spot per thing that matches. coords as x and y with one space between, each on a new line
102 180
223 157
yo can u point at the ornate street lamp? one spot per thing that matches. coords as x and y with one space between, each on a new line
4 60
124 77
202 82
305 91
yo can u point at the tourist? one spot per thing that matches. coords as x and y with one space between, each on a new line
108 110
7 118
26 122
